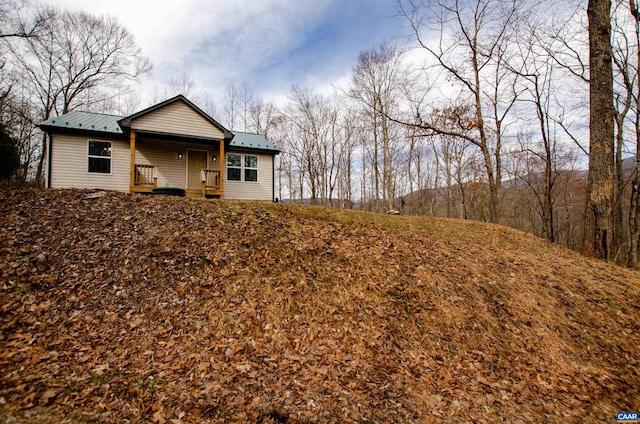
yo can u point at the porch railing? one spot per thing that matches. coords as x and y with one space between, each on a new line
146 176
210 179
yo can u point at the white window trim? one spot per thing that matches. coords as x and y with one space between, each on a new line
100 157
242 167
245 167
226 172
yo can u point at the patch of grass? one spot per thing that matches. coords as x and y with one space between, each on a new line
150 384
611 305
403 297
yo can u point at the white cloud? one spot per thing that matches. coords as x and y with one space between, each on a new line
268 43
239 38
153 23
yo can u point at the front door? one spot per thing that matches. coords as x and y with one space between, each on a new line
196 161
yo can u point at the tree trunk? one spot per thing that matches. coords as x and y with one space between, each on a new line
484 143
619 239
449 182
634 225
598 238
41 162
634 212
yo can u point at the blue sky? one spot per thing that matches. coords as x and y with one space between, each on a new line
269 44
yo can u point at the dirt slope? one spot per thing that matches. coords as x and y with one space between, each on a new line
155 309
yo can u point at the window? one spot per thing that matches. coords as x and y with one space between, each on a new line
99 157
242 167
234 167
250 168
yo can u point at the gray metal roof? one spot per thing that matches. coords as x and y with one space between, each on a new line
88 121
109 124
251 141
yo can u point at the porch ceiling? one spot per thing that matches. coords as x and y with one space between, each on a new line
160 137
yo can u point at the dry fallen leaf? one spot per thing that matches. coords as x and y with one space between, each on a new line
152 309
48 396
159 417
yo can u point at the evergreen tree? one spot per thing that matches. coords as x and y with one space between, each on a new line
9 156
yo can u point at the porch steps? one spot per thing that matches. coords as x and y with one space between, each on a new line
197 194
194 194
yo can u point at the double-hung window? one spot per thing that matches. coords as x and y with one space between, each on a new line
250 168
242 167
99 157
234 167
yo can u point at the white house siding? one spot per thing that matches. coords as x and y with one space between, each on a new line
172 172
70 164
177 118
259 190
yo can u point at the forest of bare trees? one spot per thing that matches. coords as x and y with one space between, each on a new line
481 111
55 61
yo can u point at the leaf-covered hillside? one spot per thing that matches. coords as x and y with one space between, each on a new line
155 309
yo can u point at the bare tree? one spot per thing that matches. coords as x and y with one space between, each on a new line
237 103
231 106
598 240
376 84
247 101
536 71
264 118
304 112
473 34
634 209
625 80
346 175
449 156
17 22
185 85
76 61
318 145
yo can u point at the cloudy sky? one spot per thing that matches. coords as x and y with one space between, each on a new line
270 44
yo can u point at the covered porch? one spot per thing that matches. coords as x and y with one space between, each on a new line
195 165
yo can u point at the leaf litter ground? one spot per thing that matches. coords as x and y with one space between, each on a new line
129 308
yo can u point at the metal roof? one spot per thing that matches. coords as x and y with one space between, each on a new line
251 141
109 124
88 121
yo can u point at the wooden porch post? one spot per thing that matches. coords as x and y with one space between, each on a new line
221 162
132 160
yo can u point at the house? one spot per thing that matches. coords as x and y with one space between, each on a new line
171 144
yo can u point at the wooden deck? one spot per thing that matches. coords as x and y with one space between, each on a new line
146 179
192 193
